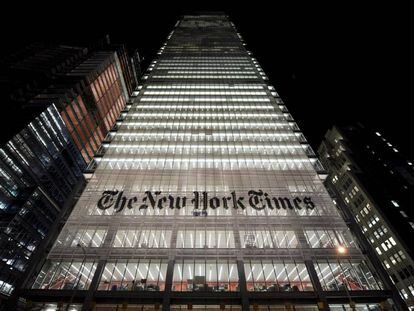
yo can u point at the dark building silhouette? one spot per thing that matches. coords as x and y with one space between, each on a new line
64 100
376 184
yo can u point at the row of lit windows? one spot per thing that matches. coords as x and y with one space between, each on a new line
66 275
328 238
201 137
204 150
208 99
152 149
206 125
207 58
205 238
209 67
84 237
213 62
211 108
207 275
195 71
208 161
346 275
204 76
205 67
234 147
204 93
207 86
209 136
202 49
204 117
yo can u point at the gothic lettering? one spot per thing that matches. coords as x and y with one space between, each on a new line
201 201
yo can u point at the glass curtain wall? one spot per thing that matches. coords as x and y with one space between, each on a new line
209 172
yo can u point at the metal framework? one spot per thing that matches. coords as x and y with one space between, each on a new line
207 194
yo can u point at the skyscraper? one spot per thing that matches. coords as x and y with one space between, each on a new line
207 195
375 182
40 173
64 100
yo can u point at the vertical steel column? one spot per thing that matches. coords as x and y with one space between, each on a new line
168 286
316 284
242 285
87 303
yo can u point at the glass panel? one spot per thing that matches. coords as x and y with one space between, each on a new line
65 275
144 275
272 276
346 275
142 238
205 275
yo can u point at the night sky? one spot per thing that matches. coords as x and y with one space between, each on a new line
330 64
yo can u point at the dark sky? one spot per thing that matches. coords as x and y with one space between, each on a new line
339 63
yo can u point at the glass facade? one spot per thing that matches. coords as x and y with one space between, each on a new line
40 169
207 186
104 92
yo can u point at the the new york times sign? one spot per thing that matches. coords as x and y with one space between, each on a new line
201 202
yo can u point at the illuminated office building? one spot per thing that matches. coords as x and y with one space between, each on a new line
375 182
207 197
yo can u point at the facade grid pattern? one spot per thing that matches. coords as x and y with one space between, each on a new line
208 186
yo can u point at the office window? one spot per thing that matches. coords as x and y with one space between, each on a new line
268 239
345 274
65 275
205 239
149 238
134 275
329 238
205 275
276 276
89 237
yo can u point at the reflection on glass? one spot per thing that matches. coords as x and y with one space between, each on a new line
65 275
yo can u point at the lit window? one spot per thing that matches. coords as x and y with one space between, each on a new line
403 214
134 275
267 276
205 275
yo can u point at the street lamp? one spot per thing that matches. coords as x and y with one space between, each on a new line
342 250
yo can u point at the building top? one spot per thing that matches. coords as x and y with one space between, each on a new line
39 75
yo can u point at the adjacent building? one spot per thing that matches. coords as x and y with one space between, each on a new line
207 197
40 171
63 101
90 98
375 182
